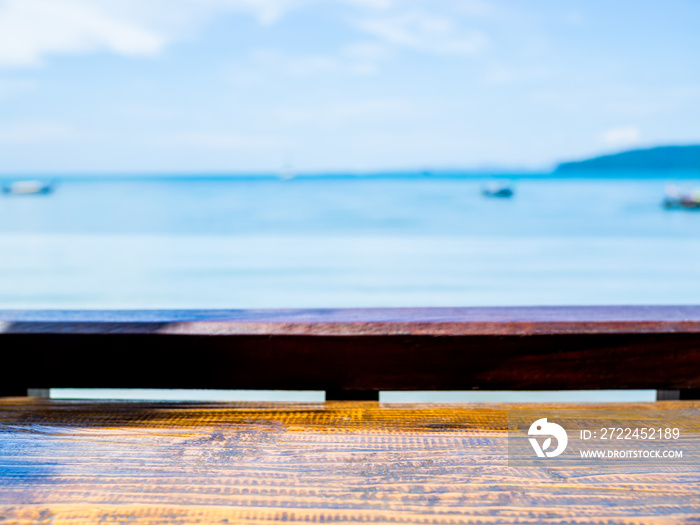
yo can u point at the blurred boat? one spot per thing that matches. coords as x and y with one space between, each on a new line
676 200
497 189
27 187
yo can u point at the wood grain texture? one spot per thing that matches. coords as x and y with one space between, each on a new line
78 462
537 320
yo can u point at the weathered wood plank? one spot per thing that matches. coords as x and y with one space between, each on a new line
80 462
538 320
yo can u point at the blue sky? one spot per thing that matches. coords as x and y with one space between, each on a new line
98 86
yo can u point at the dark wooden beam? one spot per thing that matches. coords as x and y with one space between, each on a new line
348 351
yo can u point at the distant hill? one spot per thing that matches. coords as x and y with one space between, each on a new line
661 158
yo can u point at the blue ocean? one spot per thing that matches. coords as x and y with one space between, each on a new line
332 241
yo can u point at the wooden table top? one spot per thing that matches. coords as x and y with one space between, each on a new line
86 462
447 321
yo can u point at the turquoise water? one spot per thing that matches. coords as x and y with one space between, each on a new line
327 242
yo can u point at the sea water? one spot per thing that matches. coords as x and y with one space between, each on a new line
203 242
346 242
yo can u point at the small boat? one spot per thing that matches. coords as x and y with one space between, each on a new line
498 190
676 200
27 187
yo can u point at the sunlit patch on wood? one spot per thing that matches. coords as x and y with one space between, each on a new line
77 462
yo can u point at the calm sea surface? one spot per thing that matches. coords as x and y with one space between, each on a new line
345 242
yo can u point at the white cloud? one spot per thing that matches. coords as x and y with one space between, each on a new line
32 132
31 30
388 27
622 136
424 32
